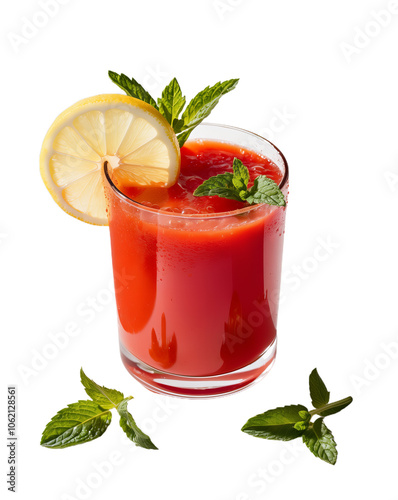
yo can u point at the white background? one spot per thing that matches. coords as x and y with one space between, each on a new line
330 70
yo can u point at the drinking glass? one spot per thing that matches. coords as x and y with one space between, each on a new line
197 294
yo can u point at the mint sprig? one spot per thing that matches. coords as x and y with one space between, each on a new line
84 421
235 187
293 421
172 102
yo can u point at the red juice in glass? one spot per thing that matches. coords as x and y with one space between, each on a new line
197 278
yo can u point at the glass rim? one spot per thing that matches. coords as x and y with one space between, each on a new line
230 213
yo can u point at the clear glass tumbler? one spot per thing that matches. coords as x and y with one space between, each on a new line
197 295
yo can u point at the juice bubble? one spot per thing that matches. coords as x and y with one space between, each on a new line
190 211
192 183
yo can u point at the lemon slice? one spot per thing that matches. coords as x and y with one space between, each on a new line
133 137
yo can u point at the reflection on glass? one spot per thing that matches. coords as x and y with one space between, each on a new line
165 352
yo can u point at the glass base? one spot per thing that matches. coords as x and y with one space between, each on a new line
198 387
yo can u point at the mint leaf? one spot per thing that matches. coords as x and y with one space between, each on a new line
129 426
319 394
276 424
104 397
265 190
241 175
132 88
219 185
200 108
302 425
332 408
317 426
78 423
171 102
323 447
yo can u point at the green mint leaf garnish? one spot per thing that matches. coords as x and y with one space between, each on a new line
201 106
78 423
106 398
172 102
84 421
317 426
276 424
219 185
134 433
294 421
303 425
305 414
132 88
265 190
234 187
241 175
318 392
321 443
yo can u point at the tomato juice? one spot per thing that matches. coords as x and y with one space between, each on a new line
196 278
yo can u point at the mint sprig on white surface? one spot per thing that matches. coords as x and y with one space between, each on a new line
294 421
84 421
234 187
172 102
